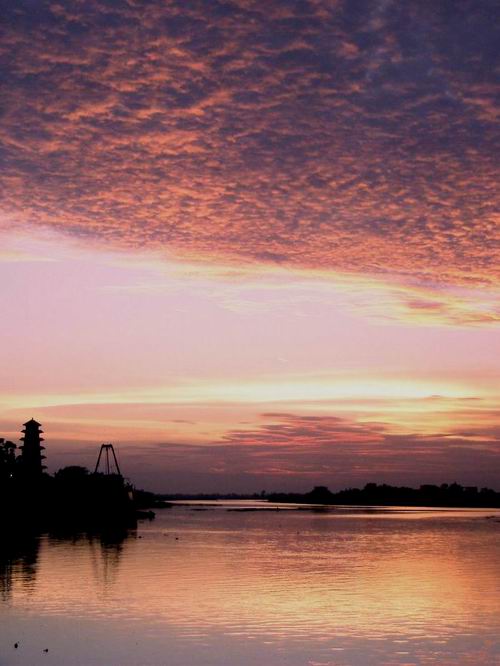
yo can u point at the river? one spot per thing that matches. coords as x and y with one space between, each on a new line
205 584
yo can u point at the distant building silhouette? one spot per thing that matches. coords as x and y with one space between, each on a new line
31 450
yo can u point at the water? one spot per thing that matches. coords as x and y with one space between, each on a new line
202 585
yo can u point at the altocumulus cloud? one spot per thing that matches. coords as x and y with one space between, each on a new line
355 137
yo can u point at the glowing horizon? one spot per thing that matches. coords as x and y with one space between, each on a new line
373 396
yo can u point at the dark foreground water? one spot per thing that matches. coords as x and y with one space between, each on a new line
202 585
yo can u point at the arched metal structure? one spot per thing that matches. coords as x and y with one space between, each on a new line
108 457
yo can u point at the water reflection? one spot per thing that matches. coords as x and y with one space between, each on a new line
18 561
269 587
20 554
106 551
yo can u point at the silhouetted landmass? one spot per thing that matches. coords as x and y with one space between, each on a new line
72 496
72 499
445 495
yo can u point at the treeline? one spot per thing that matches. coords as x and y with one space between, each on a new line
373 494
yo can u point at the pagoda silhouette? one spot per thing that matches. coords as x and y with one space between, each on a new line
31 450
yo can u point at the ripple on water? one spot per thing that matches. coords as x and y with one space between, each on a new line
415 588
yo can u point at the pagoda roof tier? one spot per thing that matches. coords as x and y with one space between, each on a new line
32 422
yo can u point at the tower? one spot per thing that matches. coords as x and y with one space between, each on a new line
31 449
104 453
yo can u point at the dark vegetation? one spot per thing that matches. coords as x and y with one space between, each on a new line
71 499
445 495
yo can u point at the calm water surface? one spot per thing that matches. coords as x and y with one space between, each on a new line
204 585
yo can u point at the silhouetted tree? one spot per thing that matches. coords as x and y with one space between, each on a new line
72 474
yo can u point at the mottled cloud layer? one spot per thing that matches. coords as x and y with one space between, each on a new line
352 136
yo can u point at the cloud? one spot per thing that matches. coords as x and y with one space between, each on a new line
353 139
290 451
293 450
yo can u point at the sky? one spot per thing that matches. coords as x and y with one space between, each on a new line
255 245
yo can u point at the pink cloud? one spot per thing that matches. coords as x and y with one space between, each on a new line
239 133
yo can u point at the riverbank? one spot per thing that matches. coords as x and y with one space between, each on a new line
445 495
73 500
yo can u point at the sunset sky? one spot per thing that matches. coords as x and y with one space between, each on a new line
254 244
